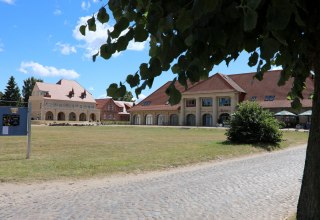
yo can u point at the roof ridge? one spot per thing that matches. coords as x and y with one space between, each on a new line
226 78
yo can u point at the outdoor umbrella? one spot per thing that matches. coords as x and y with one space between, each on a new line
284 113
307 113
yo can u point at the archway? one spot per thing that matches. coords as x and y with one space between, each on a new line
136 119
160 119
191 120
149 119
49 116
224 118
82 117
93 117
174 119
61 116
207 120
72 116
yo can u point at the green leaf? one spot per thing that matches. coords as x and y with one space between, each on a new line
278 16
122 43
253 59
82 29
155 67
189 40
140 34
122 24
133 80
269 48
184 20
106 51
175 68
144 71
92 24
250 19
253 4
112 90
173 93
103 16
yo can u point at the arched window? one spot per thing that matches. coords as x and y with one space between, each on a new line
224 118
92 117
49 116
72 116
174 120
82 117
136 119
191 120
61 116
149 119
161 119
207 120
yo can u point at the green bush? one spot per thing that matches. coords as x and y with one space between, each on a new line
252 124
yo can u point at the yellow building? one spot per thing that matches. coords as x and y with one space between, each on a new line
210 102
64 101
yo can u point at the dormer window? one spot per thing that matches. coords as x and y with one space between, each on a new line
46 94
83 94
269 98
146 103
71 93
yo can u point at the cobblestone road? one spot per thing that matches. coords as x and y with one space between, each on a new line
260 187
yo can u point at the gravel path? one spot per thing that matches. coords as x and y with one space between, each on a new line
264 186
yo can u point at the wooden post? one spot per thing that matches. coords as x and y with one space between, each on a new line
29 131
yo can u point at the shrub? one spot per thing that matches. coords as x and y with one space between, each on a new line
252 124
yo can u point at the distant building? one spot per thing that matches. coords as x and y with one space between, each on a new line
111 110
212 101
64 101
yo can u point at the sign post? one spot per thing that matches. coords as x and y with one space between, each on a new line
29 131
16 121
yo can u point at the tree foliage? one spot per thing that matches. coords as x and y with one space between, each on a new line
252 124
11 96
128 97
191 36
27 88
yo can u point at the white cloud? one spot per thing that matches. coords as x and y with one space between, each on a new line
85 5
276 68
46 71
93 40
140 98
91 88
95 1
65 49
103 96
10 2
57 12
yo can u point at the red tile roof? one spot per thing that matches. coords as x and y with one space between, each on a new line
243 83
268 86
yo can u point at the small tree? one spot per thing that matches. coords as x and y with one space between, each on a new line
252 124
11 96
27 88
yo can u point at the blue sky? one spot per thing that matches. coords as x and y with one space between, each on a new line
41 39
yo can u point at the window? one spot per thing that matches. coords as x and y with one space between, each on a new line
191 103
145 103
110 107
206 101
224 101
253 98
269 98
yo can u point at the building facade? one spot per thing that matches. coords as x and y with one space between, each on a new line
211 102
111 110
64 101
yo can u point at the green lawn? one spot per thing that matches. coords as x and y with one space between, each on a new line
83 152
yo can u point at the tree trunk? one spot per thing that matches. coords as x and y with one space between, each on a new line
309 200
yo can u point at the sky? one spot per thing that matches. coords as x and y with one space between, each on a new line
41 39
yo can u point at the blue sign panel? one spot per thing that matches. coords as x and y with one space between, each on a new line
13 121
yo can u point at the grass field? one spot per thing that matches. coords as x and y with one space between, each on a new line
84 152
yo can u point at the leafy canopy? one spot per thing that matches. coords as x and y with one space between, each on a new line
191 36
